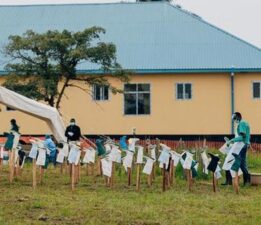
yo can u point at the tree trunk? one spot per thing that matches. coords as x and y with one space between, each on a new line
62 92
51 101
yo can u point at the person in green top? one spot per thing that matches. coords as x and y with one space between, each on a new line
243 131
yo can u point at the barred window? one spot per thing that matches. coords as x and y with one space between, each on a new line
183 91
137 99
256 90
100 93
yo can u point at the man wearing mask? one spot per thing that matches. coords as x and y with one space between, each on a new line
243 135
73 132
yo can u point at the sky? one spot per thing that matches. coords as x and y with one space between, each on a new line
238 17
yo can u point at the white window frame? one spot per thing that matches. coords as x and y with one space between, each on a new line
252 88
137 92
101 93
184 93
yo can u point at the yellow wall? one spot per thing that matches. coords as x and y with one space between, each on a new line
208 112
245 103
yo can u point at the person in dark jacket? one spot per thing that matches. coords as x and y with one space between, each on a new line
14 126
73 132
10 136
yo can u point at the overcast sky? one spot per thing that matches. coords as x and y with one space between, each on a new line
239 17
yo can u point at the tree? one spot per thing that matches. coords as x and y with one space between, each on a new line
42 61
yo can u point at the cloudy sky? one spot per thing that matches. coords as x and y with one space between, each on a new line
239 17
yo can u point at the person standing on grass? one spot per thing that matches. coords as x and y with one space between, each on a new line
14 131
243 135
51 149
73 132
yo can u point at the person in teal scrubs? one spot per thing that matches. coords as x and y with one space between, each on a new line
243 131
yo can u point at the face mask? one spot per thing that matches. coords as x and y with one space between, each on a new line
72 123
237 121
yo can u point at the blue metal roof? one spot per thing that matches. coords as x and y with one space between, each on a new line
150 37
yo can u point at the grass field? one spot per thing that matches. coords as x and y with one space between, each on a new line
93 203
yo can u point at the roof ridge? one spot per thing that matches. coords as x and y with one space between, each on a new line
86 3
195 16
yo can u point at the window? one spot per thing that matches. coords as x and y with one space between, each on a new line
137 99
100 93
183 91
256 90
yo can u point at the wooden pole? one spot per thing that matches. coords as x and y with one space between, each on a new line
150 178
16 167
73 177
78 173
61 168
75 174
153 175
138 177
190 180
1 160
129 176
34 174
107 181
174 177
41 175
1 165
99 167
171 172
214 182
112 175
67 166
11 166
92 169
87 169
188 174
236 183
164 178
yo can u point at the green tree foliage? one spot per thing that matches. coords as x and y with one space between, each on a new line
42 61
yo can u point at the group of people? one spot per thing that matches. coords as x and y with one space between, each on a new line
73 133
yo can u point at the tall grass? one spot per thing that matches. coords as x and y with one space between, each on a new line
93 203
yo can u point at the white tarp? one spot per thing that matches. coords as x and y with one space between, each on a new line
34 108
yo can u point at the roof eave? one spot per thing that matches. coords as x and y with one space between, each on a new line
168 71
177 71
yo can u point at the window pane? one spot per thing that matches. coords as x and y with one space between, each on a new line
143 87
97 92
179 91
187 91
144 103
130 87
105 93
130 104
256 90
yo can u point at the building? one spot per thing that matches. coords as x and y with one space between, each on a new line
189 75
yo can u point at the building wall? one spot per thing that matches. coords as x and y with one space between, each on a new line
244 101
208 112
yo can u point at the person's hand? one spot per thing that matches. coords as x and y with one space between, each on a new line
228 143
226 139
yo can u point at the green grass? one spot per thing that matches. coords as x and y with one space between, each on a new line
93 203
